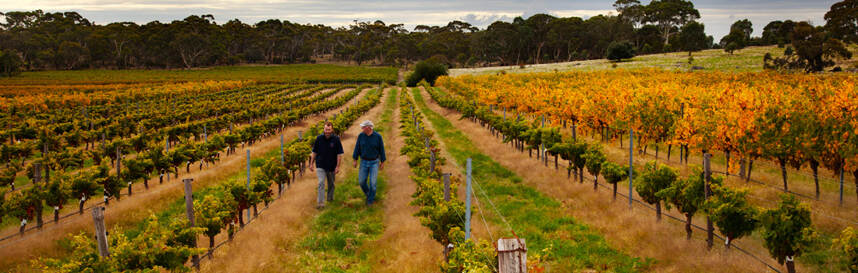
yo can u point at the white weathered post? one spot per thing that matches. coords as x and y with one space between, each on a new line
707 191
189 211
841 184
446 186
468 202
512 255
631 164
248 181
100 231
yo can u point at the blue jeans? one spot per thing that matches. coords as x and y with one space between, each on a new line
368 172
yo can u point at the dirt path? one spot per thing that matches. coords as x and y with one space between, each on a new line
634 231
405 243
263 243
132 209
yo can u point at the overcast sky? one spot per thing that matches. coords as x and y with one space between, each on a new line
717 15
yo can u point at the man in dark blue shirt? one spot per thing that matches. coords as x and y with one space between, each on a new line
369 147
328 153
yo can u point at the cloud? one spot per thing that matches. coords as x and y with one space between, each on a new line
717 15
483 20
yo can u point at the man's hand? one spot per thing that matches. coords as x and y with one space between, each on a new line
337 170
381 166
354 164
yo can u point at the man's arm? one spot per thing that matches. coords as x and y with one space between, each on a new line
340 153
315 149
381 155
356 152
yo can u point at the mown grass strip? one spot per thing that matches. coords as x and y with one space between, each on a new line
564 243
335 241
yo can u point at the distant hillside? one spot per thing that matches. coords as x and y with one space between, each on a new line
748 59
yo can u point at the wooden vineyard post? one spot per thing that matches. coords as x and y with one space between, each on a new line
300 138
189 211
282 162
446 186
37 179
100 232
431 155
468 202
512 255
631 164
248 181
166 151
841 184
707 191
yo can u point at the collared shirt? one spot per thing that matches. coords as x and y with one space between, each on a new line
327 150
369 147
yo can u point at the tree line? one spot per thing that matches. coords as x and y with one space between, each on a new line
38 40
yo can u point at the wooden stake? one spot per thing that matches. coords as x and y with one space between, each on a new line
100 232
189 211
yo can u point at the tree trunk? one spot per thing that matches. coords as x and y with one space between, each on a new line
669 147
80 206
211 244
56 214
782 162
658 211
656 151
255 211
595 183
241 218
615 191
688 226
750 167
39 221
555 162
742 166
790 265
814 166
727 155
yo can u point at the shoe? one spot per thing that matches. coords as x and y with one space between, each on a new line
320 207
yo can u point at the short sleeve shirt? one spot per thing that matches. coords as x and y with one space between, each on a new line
327 150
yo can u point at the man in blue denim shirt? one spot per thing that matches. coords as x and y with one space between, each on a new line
369 147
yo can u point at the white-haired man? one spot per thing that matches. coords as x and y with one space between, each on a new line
369 148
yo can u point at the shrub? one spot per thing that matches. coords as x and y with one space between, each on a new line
10 63
618 51
428 70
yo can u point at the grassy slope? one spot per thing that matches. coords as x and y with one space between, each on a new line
748 59
565 243
274 73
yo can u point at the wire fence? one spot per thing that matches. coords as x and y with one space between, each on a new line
19 235
672 217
